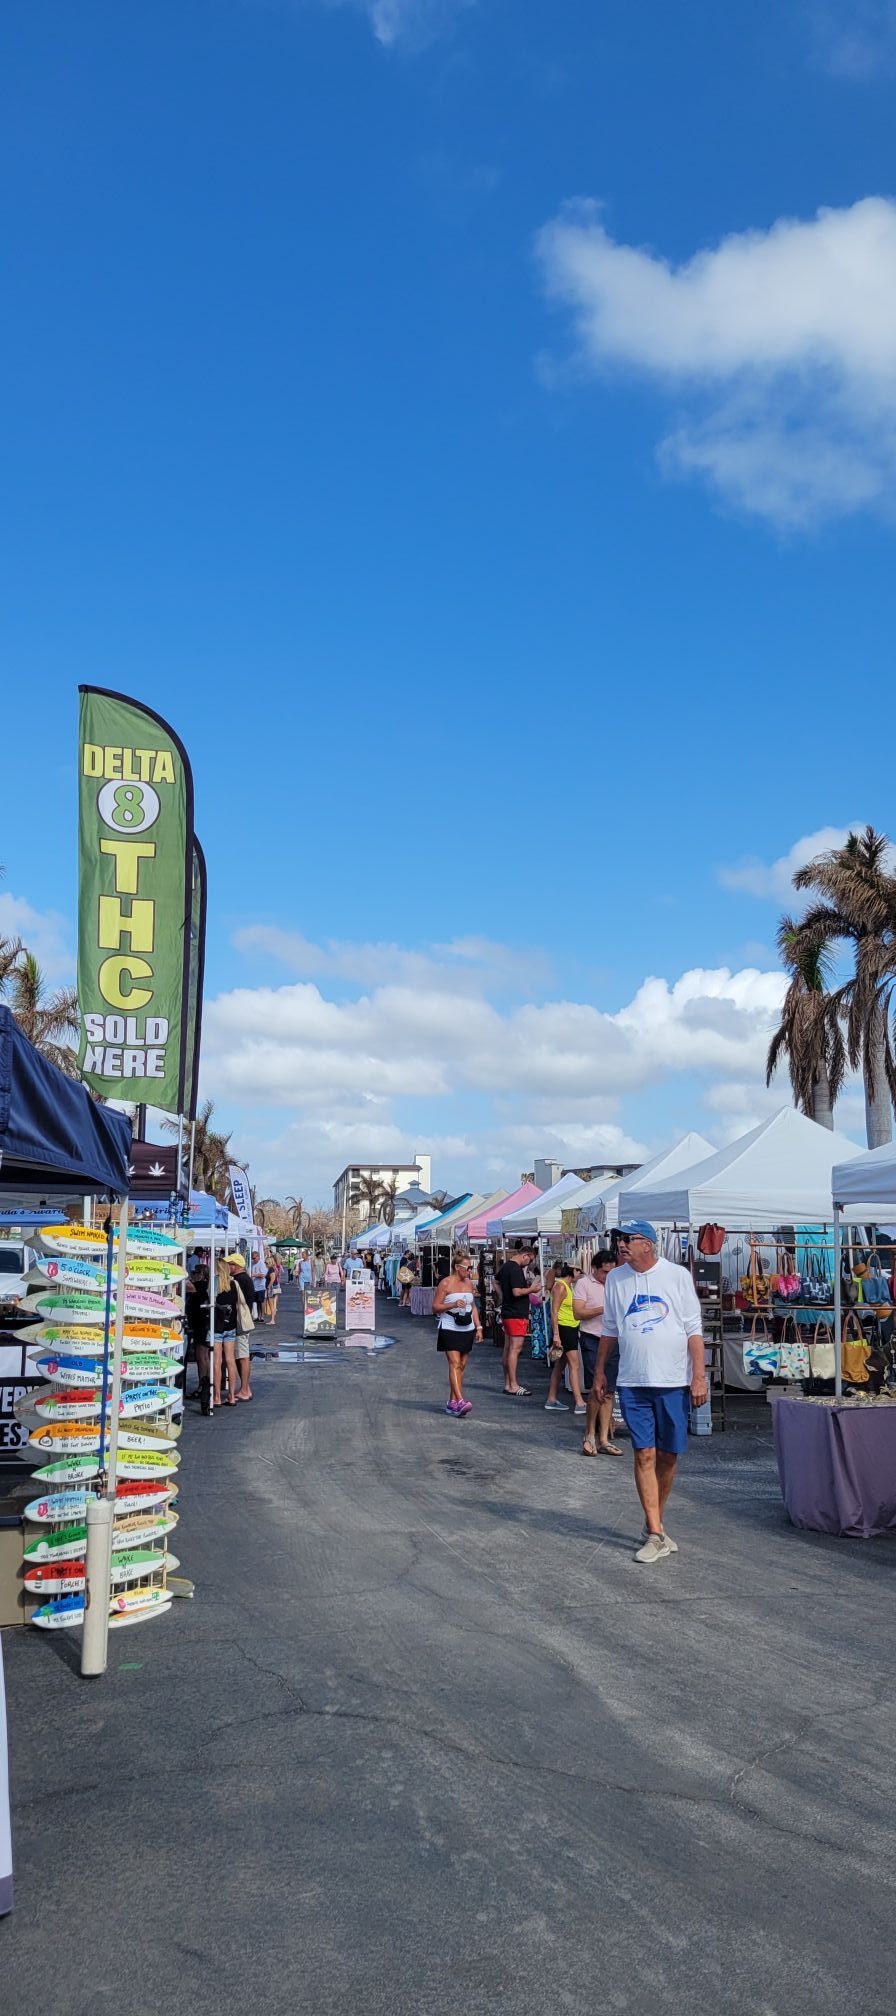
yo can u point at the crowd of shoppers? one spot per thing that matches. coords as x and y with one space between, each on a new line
629 1327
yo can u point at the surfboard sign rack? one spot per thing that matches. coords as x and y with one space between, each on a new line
68 1420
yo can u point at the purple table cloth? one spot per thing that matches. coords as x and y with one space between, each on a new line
837 1466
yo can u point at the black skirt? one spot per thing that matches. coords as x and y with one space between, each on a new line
455 1340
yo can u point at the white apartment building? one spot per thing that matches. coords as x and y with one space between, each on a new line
348 1202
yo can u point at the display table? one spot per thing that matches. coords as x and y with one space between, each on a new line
837 1465
421 1300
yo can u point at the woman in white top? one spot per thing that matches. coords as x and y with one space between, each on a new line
454 1305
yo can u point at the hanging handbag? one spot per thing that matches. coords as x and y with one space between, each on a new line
245 1320
710 1240
788 1286
761 1354
822 1358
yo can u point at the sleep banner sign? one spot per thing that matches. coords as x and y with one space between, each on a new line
140 945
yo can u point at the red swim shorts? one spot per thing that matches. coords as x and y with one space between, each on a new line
516 1326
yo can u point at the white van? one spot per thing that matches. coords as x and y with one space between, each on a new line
16 1261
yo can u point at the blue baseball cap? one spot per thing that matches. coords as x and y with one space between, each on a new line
638 1228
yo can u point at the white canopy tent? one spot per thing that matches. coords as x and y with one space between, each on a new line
607 1204
864 1185
777 1174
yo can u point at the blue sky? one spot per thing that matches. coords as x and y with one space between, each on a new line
461 422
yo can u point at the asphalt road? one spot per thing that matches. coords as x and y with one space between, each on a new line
428 1743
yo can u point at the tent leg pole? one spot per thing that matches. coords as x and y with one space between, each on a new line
212 1288
838 1308
98 1552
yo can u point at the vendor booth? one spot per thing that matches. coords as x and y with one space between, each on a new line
56 1144
765 1202
837 1460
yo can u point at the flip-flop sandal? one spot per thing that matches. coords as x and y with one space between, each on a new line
609 1449
517 1392
244 1396
589 1446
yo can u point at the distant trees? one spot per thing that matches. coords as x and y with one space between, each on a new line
823 1027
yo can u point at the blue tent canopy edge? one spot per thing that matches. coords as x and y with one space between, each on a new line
53 1136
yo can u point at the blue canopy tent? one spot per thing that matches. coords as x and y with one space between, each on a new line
54 1139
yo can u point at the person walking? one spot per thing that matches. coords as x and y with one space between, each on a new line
243 1321
514 1285
564 1349
588 1307
652 1312
455 1306
258 1272
225 1320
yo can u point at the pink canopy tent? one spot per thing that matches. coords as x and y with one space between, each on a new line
477 1228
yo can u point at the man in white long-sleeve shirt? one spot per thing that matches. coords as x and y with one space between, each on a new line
651 1308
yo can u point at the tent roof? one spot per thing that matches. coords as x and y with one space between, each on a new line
544 1216
599 1212
866 1180
435 1228
480 1227
53 1137
778 1174
471 1213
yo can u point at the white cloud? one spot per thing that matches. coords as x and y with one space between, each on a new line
467 965
407 23
855 39
775 878
780 345
291 1046
44 932
341 1077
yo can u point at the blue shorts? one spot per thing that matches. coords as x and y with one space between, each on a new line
657 1417
589 1348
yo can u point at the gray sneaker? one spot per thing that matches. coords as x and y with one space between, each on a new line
656 1547
673 1544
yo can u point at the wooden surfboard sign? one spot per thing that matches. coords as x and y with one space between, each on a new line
88 1342
60 1545
89 1239
72 1306
64 1611
58 1615
142 1561
145 1612
62 1578
146 1596
82 1438
132 1499
82 1470
144 1526
70 1370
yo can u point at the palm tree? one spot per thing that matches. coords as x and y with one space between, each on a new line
809 1034
370 1192
211 1152
294 1209
11 950
50 1021
388 1194
859 907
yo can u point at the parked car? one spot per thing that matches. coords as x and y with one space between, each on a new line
16 1260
